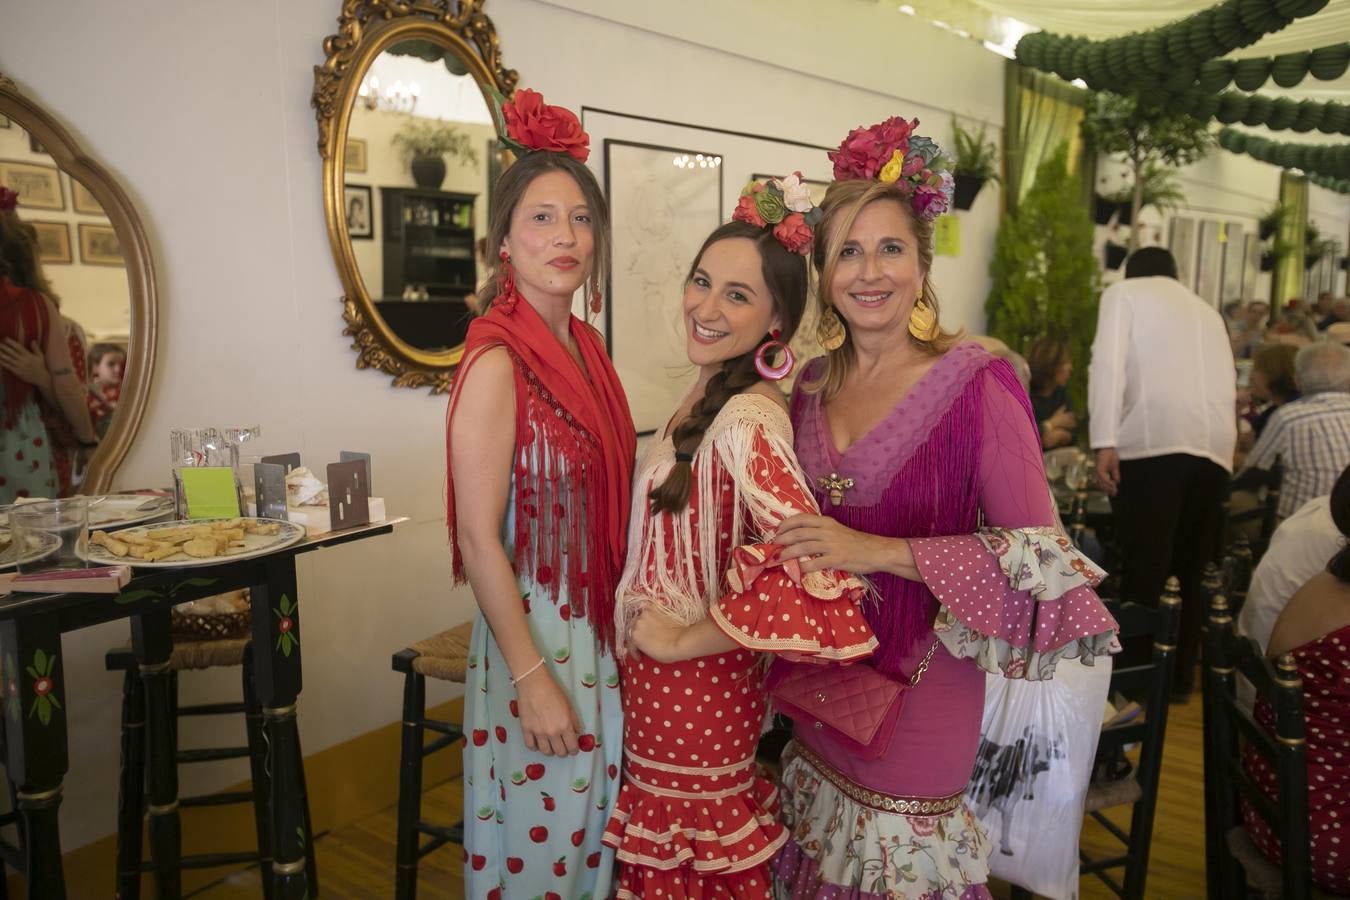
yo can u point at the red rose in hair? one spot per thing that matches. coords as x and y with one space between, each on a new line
866 150
534 124
794 234
746 211
8 199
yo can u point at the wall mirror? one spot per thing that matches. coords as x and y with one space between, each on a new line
95 257
409 154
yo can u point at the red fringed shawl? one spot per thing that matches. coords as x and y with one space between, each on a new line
575 448
23 317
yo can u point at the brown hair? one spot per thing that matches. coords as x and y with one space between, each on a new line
19 260
844 202
785 275
1276 363
1045 355
506 195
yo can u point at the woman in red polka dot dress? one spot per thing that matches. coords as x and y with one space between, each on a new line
1315 628
694 818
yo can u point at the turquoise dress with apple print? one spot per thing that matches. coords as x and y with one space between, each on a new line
533 823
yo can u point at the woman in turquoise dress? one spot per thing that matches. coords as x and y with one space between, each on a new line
538 504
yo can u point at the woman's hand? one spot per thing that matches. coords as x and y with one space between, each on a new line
27 363
822 543
1062 420
657 636
547 719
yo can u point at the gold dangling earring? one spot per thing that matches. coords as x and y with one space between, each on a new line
922 322
830 331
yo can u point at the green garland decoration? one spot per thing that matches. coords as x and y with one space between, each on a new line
1181 60
1326 160
1340 185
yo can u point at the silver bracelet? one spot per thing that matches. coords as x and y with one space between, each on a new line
517 679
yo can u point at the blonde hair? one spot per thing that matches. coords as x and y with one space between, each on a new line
844 202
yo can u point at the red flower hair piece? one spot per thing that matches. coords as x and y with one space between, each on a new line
8 199
534 125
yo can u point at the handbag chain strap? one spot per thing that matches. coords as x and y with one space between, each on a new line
923 665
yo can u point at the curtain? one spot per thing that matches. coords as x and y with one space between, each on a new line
1040 113
1286 283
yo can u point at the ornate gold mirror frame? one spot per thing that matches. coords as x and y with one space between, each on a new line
140 368
365 29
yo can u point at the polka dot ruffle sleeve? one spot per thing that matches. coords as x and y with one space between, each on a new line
773 607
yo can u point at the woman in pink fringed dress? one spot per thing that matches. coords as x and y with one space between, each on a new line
925 459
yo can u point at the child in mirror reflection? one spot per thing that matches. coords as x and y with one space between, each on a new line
107 365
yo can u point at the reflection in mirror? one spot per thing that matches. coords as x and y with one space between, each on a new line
59 239
415 191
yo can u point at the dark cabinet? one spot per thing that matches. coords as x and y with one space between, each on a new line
428 242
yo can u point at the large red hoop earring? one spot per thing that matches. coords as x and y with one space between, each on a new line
783 369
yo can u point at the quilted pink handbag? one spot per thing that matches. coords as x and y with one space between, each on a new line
855 705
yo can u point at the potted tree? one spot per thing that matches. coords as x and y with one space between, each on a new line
1144 132
425 144
976 163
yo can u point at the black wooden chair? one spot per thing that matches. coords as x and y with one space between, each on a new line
131 800
1148 685
1264 515
444 656
1236 574
1233 864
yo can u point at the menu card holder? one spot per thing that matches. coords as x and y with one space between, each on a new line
208 492
349 456
269 487
287 461
348 494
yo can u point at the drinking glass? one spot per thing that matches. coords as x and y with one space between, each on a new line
58 527
1076 473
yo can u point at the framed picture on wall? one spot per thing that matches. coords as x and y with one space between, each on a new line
99 245
356 155
53 242
661 211
38 186
356 201
83 201
815 188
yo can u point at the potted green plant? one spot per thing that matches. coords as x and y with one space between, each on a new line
426 143
1278 251
1270 222
976 159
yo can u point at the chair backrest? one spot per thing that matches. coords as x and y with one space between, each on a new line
1236 575
1270 512
1147 684
1229 726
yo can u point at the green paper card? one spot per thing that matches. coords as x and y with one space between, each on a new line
210 492
947 236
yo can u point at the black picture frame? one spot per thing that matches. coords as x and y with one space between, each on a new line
358 228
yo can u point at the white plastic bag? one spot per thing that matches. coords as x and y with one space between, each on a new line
1037 743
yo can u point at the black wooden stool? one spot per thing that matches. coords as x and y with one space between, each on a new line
444 656
131 804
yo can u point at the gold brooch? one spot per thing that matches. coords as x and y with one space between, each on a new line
836 485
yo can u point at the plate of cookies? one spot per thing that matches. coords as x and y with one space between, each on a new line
191 542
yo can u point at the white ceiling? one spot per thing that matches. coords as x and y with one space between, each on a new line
997 21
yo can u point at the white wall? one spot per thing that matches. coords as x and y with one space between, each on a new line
208 125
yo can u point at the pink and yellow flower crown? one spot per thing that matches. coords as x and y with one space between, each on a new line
785 204
891 152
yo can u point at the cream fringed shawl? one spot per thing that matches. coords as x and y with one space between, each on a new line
680 564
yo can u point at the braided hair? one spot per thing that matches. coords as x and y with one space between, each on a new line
786 277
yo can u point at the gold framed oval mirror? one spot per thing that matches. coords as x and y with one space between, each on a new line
95 259
409 155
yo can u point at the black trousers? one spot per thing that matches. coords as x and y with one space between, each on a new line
1167 515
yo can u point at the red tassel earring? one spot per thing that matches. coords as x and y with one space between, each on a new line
506 280
595 298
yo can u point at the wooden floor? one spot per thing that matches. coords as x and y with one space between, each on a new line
356 862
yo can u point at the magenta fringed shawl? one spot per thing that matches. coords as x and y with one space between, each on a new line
916 476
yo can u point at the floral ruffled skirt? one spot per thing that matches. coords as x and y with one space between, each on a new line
842 849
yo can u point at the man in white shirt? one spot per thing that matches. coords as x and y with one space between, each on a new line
1300 548
1162 393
